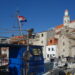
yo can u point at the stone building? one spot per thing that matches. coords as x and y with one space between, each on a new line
65 33
66 43
41 39
51 48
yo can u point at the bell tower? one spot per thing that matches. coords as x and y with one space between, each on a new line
66 18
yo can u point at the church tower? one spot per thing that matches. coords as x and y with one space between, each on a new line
66 18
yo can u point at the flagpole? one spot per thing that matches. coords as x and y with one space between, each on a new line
20 25
20 28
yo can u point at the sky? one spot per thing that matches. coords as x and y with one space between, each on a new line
42 15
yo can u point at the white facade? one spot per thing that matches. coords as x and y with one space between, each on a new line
51 51
72 25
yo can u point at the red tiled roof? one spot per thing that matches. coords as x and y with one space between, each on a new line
72 21
59 26
52 41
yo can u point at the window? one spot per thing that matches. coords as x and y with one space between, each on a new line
52 49
36 51
53 54
70 42
42 35
63 50
48 55
67 30
62 56
41 41
48 49
66 21
50 41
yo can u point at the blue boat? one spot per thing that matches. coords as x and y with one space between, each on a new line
23 62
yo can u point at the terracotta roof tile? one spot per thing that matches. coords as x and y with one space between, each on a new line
59 26
52 41
72 21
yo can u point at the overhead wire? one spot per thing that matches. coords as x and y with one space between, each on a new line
11 31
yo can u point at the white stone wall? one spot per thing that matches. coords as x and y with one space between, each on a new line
63 46
40 39
72 25
51 51
72 51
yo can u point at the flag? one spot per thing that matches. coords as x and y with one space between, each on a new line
22 19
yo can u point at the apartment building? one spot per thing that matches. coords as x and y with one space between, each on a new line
51 49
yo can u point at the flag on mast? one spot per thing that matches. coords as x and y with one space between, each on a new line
22 19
